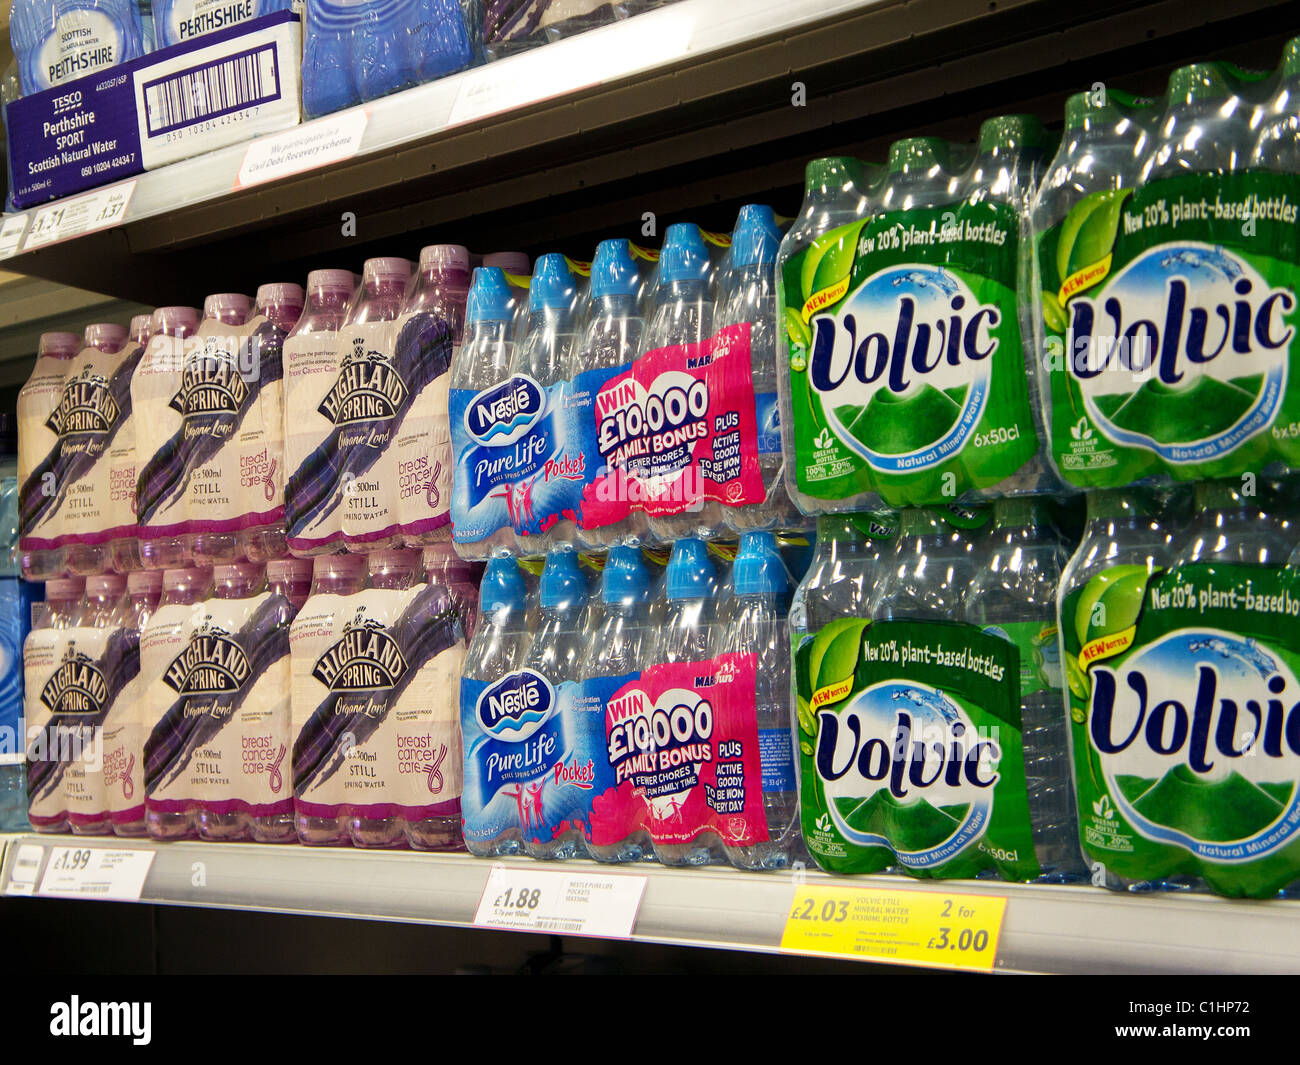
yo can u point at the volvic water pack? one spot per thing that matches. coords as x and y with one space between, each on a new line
376 654
1181 652
925 716
905 368
59 40
180 21
1166 288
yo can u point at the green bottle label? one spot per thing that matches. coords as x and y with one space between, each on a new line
907 372
1170 319
1040 654
910 749
1185 723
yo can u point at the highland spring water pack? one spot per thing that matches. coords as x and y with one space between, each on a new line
1167 295
904 364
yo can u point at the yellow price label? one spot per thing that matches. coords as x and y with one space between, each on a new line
932 928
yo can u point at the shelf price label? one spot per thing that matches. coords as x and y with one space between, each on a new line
25 869
576 904
93 872
78 215
11 234
932 928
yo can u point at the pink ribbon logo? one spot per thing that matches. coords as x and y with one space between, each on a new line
434 769
277 781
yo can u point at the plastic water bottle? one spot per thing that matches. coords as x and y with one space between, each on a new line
612 340
370 502
124 733
683 315
1277 147
39 459
556 653
1229 526
108 337
750 297
688 632
929 571
313 463
845 569
140 329
623 646
291 578
441 563
498 648
170 326
1014 595
758 626
55 42
479 514
546 356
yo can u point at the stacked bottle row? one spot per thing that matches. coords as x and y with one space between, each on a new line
640 716
292 701
642 404
969 704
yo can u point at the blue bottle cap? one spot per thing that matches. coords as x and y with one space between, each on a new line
552 285
756 237
503 585
690 573
562 582
758 569
684 256
625 579
489 296
613 273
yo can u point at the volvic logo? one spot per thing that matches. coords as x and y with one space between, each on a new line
364 659
505 412
210 383
211 664
514 707
368 388
1185 353
1198 736
911 347
901 755
86 406
76 686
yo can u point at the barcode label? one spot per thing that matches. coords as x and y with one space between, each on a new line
212 90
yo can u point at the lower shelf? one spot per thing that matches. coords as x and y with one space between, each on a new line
1058 929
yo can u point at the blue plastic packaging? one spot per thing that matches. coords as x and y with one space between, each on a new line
56 41
357 50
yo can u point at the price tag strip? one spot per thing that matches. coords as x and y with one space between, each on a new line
26 867
933 928
95 873
11 234
307 147
561 903
64 219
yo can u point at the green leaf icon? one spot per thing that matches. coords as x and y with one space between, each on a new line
835 652
1111 602
829 259
1075 677
807 722
1053 313
1088 232
806 747
795 329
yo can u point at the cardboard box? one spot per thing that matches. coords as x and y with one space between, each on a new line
217 90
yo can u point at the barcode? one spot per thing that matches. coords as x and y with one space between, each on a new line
210 91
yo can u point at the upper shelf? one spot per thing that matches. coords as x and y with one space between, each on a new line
692 107
1046 929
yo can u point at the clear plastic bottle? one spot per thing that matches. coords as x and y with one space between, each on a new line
124 551
689 632
546 355
291 578
847 564
1229 526
38 452
341 577
126 788
440 290
108 337
929 571
459 578
1277 148
758 626
312 504
498 647
141 329
281 303
837 192
1124 528
611 340
1014 594
623 644
170 551
750 297
182 589
1203 128
370 512
481 523
556 653
683 315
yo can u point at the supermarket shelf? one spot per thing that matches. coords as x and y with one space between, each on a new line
683 109
1046 929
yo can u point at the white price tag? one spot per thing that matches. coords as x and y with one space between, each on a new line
90 872
319 143
11 234
64 219
578 904
26 867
